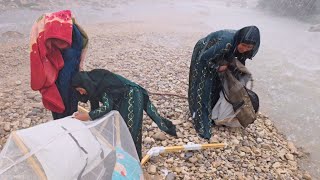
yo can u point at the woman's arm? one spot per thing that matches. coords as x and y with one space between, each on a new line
214 53
102 110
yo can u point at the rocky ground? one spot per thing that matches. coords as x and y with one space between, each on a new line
159 61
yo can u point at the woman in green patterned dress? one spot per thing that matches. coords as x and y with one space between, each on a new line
211 55
118 93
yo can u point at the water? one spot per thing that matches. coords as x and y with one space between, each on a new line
286 69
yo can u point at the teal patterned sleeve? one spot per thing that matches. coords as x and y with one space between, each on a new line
104 109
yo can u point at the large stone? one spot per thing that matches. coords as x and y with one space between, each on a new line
214 139
307 176
259 140
170 176
26 123
242 154
164 143
292 147
276 165
152 169
289 157
188 154
235 141
245 149
266 147
7 127
177 169
202 169
193 159
18 82
160 136
268 122
176 122
148 140
170 160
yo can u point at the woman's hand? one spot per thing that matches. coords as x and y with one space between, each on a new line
222 68
81 116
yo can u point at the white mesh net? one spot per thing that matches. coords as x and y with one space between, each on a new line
71 149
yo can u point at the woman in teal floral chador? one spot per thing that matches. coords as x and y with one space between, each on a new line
118 93
211 55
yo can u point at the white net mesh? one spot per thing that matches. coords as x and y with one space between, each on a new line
71 149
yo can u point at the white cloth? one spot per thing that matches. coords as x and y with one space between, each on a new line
223 113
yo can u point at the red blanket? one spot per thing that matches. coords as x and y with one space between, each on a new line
51 33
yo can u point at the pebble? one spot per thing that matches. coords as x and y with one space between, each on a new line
160 136
152 169
170 176
276 165
193 159
289 157
7 127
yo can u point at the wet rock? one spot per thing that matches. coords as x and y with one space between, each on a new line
152 169
188 154
37 98
31 96
235 141
244 165
26 123
18 83
160 136
259 140
214 139
257 151
170 176
7 127
258 169
216 164
268 122
2 132
293 164
307 176
148 140
282 153
170 160
164 143
193 159
242 154
292 147
245 149
276 165
289 157
34 112
176 122
202 169
177 169
266 147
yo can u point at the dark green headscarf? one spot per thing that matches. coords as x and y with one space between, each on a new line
97 82
248 35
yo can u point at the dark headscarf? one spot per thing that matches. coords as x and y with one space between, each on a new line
96 82
248 35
